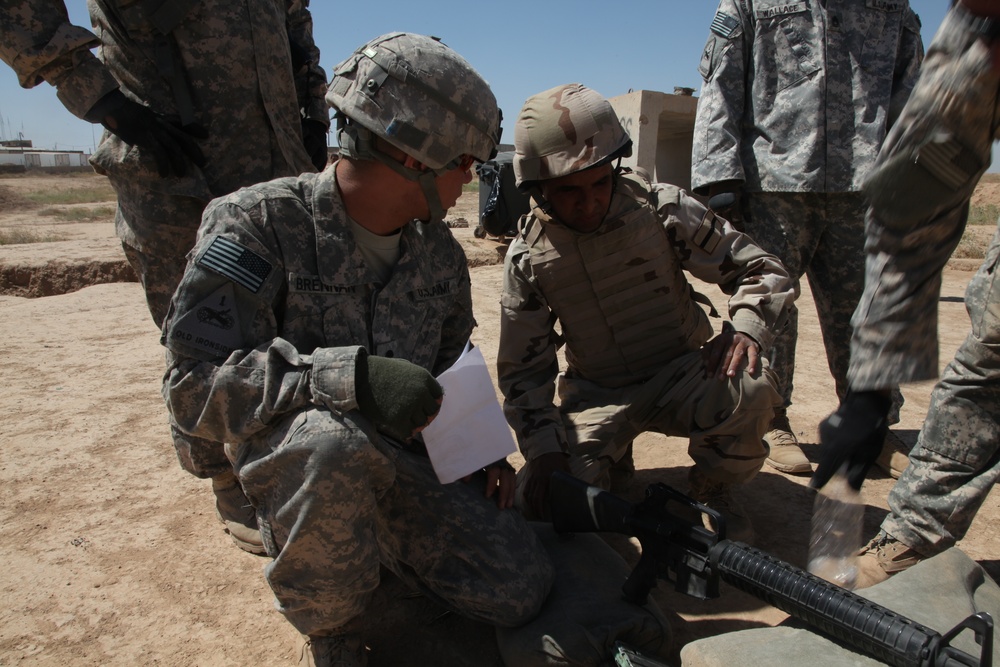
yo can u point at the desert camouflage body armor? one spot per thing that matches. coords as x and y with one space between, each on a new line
619 288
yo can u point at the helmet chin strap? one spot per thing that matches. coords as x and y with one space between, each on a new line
428 184
359 143
534 190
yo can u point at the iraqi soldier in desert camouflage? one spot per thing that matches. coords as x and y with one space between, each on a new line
599 265
306 332
797 98
920 190
199 99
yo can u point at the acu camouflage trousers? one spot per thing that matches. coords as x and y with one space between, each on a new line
821 236
157 230
724 419
334 500
957 457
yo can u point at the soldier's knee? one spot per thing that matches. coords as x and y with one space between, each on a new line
759 391
527 597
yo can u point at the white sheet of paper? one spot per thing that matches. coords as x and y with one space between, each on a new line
470 431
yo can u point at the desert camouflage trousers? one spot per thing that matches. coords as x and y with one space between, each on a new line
957 457
334 501
723 419
157 231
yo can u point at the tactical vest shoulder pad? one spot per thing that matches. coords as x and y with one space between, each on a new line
664 195
530 227
633 186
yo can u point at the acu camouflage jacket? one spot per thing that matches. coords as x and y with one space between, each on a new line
798 94
252 67
277 304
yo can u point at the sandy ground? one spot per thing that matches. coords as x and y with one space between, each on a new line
113 555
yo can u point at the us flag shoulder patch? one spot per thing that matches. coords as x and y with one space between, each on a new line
724 25
236 262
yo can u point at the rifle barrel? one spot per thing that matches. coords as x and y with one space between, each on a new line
850 618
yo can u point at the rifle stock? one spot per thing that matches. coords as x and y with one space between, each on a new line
680 549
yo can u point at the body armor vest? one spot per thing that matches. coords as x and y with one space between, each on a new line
624 304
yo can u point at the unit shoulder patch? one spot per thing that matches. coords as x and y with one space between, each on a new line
212 326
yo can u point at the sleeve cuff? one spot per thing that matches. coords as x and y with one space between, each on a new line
746 322
542 442
80 88
332 378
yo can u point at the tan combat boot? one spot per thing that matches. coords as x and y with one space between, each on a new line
235 512
883 557
784 453
345 650
719 497
894 456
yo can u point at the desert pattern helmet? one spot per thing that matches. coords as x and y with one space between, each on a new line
420 96
564 130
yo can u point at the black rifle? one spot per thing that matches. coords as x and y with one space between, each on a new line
678 548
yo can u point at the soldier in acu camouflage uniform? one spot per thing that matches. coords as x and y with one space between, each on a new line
920 192
305 332
602 256
797 98
199 97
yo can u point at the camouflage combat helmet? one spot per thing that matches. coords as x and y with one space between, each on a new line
564 130
420 96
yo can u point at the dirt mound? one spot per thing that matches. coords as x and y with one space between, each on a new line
46 269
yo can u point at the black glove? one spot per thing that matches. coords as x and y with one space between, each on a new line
171 145
314 139
854 435
728 204
396 395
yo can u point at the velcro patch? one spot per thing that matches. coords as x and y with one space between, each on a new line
779 10
236 262
948 161
709 233
307 284
887 5
724 25
443 288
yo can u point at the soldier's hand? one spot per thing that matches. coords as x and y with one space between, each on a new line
399 397
725 199
314 140
853 435
500 482
725 354
171 145
536 490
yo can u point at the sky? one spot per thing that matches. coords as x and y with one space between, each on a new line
520 47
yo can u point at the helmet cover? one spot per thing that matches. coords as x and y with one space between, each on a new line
564 130
420 96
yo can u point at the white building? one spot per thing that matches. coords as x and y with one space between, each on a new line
22 154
